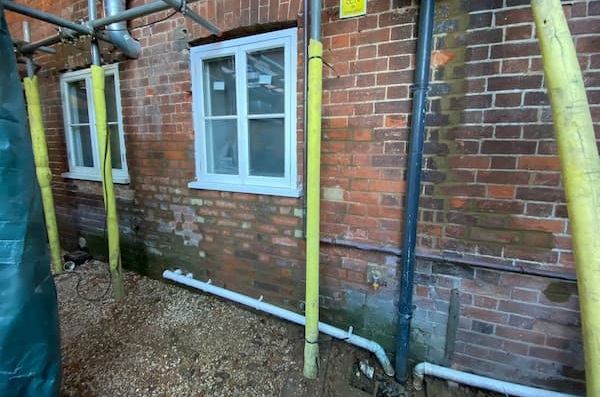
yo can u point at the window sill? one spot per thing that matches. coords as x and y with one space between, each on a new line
122 180
226 187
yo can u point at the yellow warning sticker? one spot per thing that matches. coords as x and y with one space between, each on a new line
352 8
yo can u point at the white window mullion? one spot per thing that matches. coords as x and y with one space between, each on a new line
288 111
291 110
242 103
120 126
68 121
199 117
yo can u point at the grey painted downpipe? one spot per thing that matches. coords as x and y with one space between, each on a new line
258 304
415 157
117 32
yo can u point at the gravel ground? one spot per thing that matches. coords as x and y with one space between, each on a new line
165 340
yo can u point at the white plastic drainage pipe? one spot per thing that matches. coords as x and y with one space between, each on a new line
289 315
511 389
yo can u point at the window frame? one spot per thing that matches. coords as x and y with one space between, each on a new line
243 182
92 173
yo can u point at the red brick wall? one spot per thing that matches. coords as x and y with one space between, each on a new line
491 187
250 243
493 158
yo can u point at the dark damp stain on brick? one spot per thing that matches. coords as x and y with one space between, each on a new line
453 270
482 328
246 255
266 286
445 26
269 209
439 89
421 278
558 292
433 176
488 276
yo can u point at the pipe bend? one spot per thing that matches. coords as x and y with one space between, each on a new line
277 311
117 32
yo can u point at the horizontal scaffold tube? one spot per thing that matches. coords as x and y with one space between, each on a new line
289 315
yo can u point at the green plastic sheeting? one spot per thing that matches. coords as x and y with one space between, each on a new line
29 328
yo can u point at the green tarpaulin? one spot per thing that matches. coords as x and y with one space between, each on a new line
29 328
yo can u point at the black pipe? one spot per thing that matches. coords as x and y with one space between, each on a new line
415 158
454 259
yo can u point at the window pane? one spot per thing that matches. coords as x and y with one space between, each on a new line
219 87
265 80
115 146
82 145
77 96
111 99
266 147
221 146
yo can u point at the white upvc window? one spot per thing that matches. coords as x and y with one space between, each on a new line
80 125
244 103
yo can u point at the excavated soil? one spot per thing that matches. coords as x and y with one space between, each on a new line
165 340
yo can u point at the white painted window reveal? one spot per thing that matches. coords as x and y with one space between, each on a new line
244 104
80 125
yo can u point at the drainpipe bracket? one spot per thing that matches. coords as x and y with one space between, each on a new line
350 330
420 87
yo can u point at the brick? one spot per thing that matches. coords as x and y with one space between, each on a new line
514 16
441 58
587 44
490 316
395 121
508 100
494 236
503 177
485 302
543 255
539 209
519 32
398 17
471 102
519 334
482 327
501 192
498 206
545 179
480 20
514 50
476 162
540 194
511 83
508 147
554 355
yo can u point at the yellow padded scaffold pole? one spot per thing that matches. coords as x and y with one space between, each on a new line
42 168
313 191
580 166
110 204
